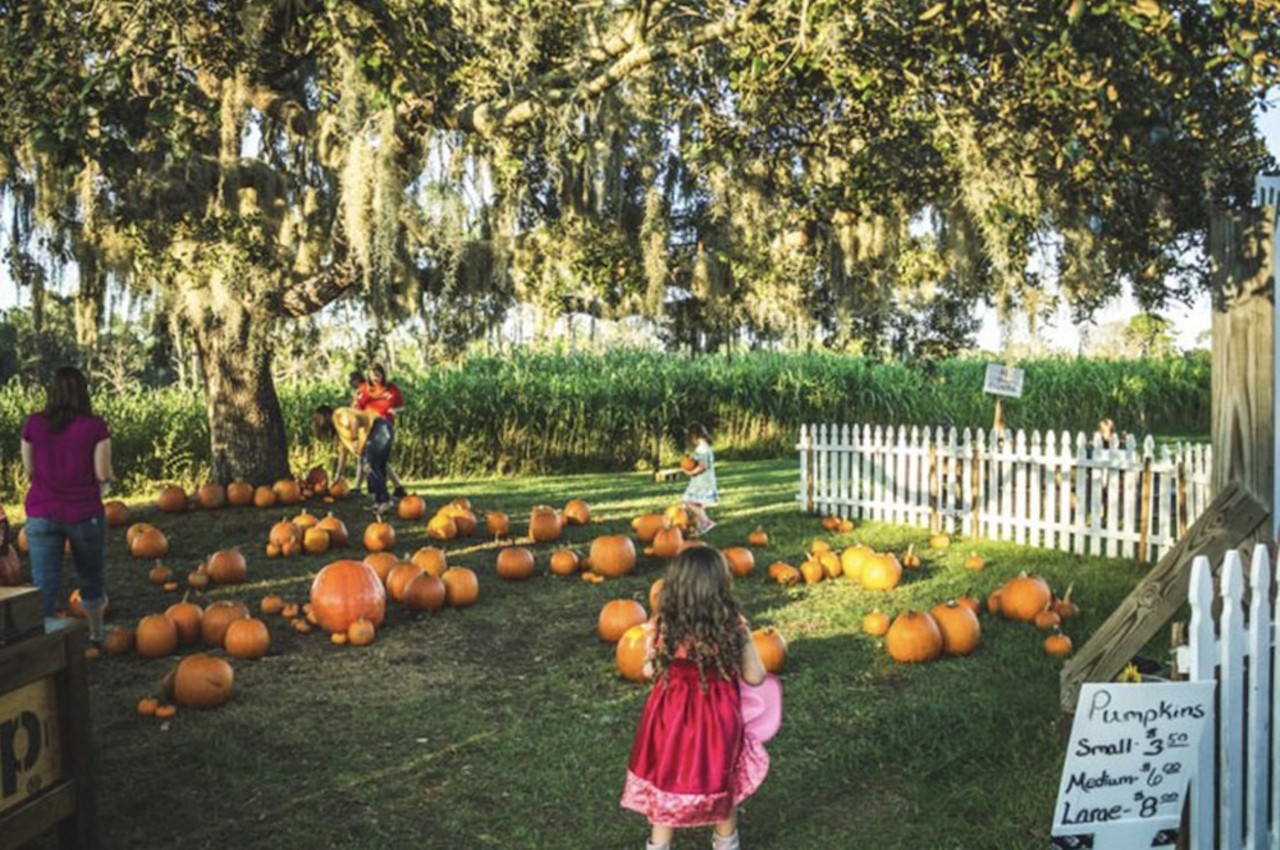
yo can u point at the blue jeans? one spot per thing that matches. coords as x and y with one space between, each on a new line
377 451
45 539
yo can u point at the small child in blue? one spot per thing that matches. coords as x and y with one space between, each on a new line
702 492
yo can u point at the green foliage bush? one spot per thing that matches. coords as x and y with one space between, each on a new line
545 412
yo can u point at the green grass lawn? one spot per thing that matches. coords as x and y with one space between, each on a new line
505 724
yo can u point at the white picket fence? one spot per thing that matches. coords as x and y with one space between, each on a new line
1059 491
1233 778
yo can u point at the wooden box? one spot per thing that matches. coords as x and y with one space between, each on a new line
20 613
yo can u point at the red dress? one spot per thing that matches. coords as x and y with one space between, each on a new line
692 760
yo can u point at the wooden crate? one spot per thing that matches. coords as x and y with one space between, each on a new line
46 777
20 614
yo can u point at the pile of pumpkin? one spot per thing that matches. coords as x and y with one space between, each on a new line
858 563
211 495
625 624
1029 599
310 534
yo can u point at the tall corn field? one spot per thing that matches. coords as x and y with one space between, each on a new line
554 412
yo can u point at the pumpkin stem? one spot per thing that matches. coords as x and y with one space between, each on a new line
1066 597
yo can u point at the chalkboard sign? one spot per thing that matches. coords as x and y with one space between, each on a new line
1003 380
1132 750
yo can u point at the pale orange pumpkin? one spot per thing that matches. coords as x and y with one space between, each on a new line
271 605
811 571
974 562
883 572
876 623
854 559
442 527
783 573
147 706
676 517
612 555
515 563
617 616
772 647
282 533
315 541
910 560
464 521
1047 619
379 537
631 652
159 574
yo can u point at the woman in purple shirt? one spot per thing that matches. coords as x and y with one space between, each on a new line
66 452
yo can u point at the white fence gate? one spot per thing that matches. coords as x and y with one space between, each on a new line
1237 648
1059 491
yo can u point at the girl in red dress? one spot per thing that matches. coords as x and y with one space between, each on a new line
693 760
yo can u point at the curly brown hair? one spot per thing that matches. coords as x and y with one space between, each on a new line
701 614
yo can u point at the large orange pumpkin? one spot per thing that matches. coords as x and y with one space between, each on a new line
379 537
544 524
117 512
227 566
498 523
883 572
577 512
172 499
647 526
432 559
613 555
630 653
617 616
156 636
741 561
515 563
211 495
202 681
854 558
411 508
239 494
461 587
424 593
959 626
247 639
343 592
667 543
1023 597
186 617
399 577
217 617
914 637
772 648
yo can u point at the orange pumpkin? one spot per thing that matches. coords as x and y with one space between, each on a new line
515 563
338 638
564 562
315 541
577 512
198 579
876 623
1064 607
667 543
783 573
345 591
831 565
498 523
227 566
631 652
974 562
1057 644
854 559
688 464
617 616
910 560
971 602
186 617
287 491
248 639
772 647
811 571
282 533
264 497
424 593
211 495
156 636
758 537
655 595
647 526
612 555
271 605
1047 619
118 641
544 524
959 627
149 542
166 712
217 618
993 601
432 559
239 494
939 540
1023 597
147 706
339 489
172 499
160 574
382 563
117 513
379 537
461 587
464 521
399 577
202 681
442 527
676 517
361 632
411 508
337 530
883 572
913 638
741 561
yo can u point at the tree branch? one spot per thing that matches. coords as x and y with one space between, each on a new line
489 118
311 294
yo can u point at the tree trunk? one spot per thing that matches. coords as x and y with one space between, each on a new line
246 426
1241 248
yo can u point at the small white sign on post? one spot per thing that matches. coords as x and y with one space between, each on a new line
1003 380
1132 750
